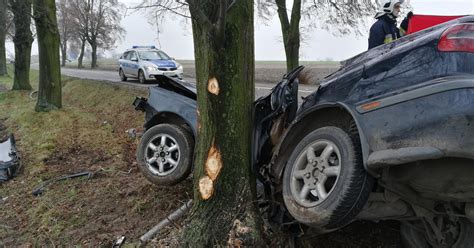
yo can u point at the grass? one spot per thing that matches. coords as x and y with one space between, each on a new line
87 134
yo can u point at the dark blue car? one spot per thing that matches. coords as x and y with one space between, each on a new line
389 136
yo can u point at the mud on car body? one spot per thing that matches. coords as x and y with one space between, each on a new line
388 136
145 62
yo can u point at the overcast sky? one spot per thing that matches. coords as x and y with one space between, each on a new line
175 38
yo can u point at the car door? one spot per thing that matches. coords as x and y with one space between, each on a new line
133 64
123 63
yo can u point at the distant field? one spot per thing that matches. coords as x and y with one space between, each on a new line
265 71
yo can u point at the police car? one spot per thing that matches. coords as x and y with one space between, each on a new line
145 62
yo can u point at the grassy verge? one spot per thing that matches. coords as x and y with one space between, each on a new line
86 135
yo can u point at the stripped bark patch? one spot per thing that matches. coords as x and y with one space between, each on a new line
213 163
213 86
206 187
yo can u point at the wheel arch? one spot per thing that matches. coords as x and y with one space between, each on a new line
170 118
329 114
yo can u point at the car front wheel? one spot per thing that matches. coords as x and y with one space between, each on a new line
325 184
141 77
165 154
122 75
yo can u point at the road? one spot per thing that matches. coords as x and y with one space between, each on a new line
112 76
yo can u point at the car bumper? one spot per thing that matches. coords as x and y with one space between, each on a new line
152 74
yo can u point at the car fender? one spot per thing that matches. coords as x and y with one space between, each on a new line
165 102
281 154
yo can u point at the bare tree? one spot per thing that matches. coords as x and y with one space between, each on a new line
3 35
80 10
50 88
65 25
338 17
23 39
104 26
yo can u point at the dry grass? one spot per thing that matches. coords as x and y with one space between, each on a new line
86 135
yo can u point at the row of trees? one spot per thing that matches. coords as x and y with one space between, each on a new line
89 22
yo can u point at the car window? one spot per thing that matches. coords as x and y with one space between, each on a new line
124 56
153 55
133 55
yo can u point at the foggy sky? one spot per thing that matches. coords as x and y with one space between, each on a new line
175 38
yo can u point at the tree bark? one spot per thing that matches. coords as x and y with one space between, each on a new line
291 32
23 39
49 92
94 55
63 53
3 32
224 209
81 54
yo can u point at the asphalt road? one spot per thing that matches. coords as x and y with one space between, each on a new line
112 76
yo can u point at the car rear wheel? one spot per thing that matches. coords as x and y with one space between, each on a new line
122 75
165 154
141 77
457 235
325 184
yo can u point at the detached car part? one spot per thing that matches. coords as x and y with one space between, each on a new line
9 159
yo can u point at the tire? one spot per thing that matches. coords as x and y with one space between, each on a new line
412 237
337 185
175 164
141 77
123 78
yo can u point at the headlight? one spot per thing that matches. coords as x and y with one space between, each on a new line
151 68
180 67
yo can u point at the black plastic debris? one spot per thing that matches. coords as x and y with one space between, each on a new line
39 190
9 159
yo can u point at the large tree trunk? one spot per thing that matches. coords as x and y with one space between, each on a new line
3 31
49 92
23 40
291 32
94 55
224 202
81 54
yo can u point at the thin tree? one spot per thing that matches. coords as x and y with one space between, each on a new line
80 25
65 23
49 91
22 39
104 26
3 35
224 53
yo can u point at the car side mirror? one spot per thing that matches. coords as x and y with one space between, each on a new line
173 58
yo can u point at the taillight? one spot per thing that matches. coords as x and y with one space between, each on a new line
459 38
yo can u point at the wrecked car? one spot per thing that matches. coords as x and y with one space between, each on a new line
389 136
